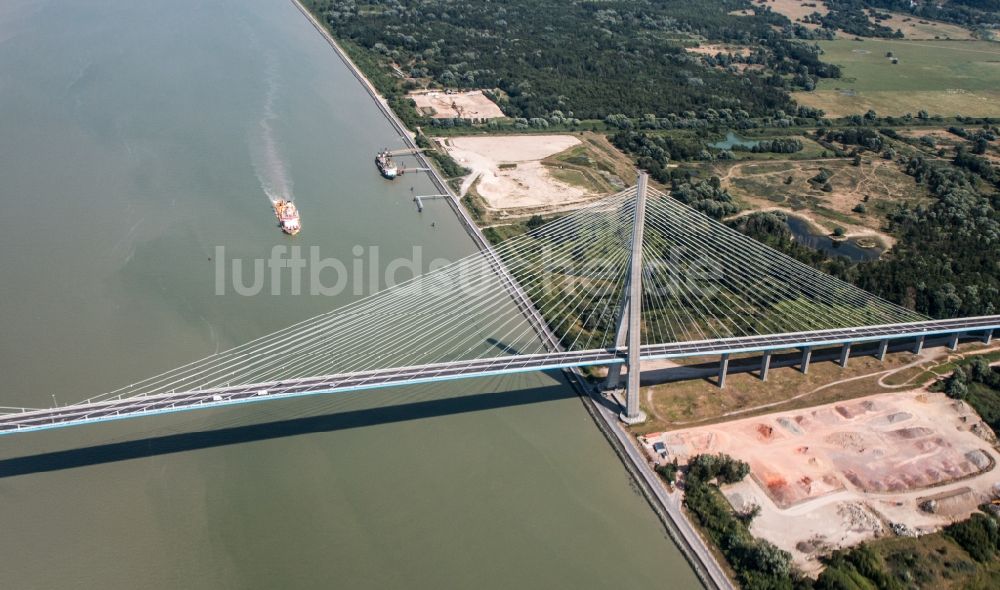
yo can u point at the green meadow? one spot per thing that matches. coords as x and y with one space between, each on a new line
942 77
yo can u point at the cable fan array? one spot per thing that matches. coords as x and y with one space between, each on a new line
463 311
701 280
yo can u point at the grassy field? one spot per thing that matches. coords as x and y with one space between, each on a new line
594 165
687 403
941 77
671 406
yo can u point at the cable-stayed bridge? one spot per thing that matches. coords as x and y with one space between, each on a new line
635 276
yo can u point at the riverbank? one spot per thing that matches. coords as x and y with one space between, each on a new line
668 510
405 134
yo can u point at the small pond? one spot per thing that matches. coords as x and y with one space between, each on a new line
732 140
804 234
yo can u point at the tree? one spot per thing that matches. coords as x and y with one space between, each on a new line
839 231
767 558
722 467
979 370
956 385
823 175
733 470
956 389
668 471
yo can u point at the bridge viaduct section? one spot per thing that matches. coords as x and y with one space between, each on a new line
132 407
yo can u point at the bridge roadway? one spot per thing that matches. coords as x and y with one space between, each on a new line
131 407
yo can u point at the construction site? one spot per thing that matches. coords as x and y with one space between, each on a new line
834 475
521 175
439 104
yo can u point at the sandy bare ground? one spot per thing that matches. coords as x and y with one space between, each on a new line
716 49
834 475
796 9
510 172
467 105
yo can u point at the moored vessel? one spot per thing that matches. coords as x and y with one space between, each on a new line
386 167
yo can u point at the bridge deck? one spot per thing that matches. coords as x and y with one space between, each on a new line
129 407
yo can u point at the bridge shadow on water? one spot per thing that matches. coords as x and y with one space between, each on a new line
224 436
220 437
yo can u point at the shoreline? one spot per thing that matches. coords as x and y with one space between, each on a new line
405 134
666 505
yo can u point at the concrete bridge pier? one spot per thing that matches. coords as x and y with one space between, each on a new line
807 353
988 336
723 369
765 365
883 346
953 343
615 370
845 353
918 346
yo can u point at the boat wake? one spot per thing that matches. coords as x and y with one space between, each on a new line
265 151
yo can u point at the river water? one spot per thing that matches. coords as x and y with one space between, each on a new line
137 137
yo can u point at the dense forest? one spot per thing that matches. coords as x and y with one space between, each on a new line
583 60
945 262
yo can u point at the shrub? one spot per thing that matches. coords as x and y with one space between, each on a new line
535 221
